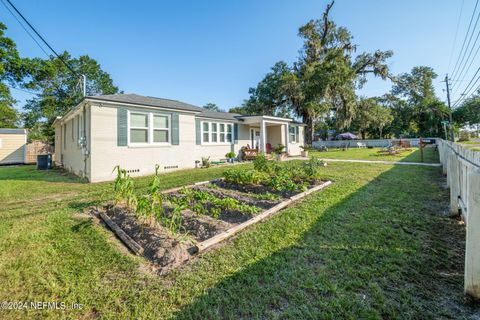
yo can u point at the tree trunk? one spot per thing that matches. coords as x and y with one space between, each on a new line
308 129
381 131
363 134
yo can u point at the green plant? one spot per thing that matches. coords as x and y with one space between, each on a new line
230 155
312 167
243 177
279 149
123 188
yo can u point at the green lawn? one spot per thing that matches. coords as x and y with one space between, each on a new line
430 155
372 245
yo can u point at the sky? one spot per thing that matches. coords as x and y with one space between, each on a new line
213 51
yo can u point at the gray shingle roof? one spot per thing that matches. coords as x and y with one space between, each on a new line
13 131
218 115
165 103
148 101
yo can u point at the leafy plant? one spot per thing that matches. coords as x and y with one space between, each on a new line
243 177
230 155
311 167
279 149
123 188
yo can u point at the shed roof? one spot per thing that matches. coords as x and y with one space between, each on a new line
12 131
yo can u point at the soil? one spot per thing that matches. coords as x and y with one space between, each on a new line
166 250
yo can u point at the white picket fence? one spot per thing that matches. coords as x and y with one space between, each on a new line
462 167
379 143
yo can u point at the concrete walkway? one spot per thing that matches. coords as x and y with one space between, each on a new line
426 164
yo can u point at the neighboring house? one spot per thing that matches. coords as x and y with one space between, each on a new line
137 132
12 146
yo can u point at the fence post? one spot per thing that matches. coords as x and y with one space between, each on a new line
446 151
453 182
472 251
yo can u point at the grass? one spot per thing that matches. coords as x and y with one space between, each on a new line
372 245
430 155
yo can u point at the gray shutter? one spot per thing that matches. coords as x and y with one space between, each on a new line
235 133
198 132
289 135
175 129
122 127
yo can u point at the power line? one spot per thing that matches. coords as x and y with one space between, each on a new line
464 40
25 29
23 90
468 88
44 41
456 34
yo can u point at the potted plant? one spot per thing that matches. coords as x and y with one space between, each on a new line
305 150
279 151
230 156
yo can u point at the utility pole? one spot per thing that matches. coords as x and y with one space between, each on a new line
452 135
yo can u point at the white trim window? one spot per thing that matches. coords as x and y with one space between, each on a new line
217 132
148 128
292 132
229 134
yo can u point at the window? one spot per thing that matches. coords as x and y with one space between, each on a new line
228 137
139 127
160 128
206 135
148 128
215 132
293 134
222 132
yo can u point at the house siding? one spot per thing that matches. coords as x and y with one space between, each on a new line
12 148
69 153
141 160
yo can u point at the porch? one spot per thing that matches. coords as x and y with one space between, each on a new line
266 133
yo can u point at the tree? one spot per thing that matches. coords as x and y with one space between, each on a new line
212 107
468 113
58 89
425 110
324 78
269 96
12 72
371 117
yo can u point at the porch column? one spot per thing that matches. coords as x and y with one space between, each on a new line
285 126
263 136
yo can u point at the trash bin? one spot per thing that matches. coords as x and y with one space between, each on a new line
44 161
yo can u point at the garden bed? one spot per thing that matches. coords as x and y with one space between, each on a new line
170 227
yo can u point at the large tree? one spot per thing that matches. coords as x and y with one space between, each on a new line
468 113
12 72
371 117
413 94
324 78
58 88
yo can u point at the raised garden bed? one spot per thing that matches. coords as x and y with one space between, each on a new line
170 227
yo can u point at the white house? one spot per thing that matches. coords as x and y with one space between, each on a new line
137 132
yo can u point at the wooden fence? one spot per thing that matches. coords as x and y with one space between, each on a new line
462 167
35 148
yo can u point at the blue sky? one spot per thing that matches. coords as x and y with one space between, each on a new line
213 51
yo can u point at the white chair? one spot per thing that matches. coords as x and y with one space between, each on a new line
361 145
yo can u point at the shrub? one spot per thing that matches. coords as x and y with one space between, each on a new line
243 177
230 155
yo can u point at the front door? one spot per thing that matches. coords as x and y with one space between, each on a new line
255 138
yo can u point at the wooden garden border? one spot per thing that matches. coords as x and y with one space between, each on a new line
204 245
129 242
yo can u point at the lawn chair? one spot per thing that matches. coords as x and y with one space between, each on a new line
361 145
